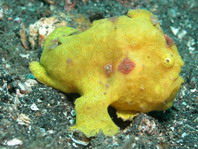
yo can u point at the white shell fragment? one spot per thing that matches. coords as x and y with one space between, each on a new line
14 142
24 89
43 27
174 30
30 82
34 107
79 141
23 120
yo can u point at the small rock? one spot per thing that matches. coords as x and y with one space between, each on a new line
7 66
146 125
73 113
184 103
17 20
196 120
72 122
30 76
184 134
42 131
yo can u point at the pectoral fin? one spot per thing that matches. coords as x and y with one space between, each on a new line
126 115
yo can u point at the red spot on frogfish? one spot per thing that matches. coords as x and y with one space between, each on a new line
169 40
126 66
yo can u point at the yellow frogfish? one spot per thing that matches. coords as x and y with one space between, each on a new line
126 62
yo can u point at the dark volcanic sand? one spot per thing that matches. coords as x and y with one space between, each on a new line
41 118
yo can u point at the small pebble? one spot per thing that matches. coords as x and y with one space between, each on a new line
184 103
72 122
73 113
172 13
30 76
183 135
42 131
196 120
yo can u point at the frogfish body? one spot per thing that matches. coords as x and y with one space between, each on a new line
126 62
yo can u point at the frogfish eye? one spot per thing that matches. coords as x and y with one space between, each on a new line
168 61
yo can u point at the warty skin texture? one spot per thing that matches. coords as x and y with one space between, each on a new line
126 62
